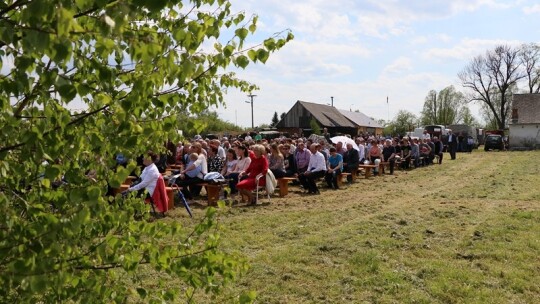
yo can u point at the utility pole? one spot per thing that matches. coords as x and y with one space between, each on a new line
388 105
251 96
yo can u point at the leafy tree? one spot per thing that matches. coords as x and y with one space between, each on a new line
443 108
467 118
132 66
275 120
263 126
204 123
314 125
403 122
498 71
491 122
530 60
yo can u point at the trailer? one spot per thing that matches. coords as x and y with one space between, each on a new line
462 132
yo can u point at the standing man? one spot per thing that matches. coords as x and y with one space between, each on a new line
326 134
452 144
426 135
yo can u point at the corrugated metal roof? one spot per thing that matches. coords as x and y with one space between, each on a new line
361 119
328 116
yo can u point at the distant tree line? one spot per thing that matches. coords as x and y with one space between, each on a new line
490 80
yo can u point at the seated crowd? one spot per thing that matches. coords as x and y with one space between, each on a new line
244 162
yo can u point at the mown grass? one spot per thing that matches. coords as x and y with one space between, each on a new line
467 231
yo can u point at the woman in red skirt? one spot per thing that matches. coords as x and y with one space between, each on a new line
258 166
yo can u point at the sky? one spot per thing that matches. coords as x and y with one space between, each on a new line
362 51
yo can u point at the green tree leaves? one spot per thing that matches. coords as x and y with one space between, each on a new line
85 81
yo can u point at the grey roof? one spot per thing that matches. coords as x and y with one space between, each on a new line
528 108
361 119
328 116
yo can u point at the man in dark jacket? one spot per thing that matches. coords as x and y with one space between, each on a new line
351 161
438 149
452 144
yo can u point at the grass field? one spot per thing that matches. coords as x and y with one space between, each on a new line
466 231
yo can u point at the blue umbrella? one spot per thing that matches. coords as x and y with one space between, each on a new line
183 200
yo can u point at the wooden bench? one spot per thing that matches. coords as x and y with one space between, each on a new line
129 180
122 188
170 195
341 176
212 192
367 169
283 184
382 166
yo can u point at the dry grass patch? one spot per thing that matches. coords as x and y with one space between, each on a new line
465 231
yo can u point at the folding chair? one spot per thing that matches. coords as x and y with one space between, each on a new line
260 187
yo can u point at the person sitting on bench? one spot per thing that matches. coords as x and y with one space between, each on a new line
334 168
191 176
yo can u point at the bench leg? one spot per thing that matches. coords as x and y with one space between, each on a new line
170 195
213 194
283 188
340 181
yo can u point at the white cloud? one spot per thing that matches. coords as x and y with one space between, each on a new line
312 59
399 66
466 49
405 92
534 9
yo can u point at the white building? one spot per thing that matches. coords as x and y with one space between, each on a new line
524 129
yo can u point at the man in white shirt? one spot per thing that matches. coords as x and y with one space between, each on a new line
149 176
426 135
316 169
361 150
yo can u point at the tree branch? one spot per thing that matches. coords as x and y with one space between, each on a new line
75 121
15 5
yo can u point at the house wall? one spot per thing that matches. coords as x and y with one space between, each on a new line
297 117
527 108
520 133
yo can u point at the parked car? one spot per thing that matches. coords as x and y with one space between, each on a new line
494 141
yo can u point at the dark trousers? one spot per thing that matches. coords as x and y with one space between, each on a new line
440 157
452 149
187 183
425 159
406 162
416 161
391 164
278 173
290 173
308 181
352 169
233 180
331 178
